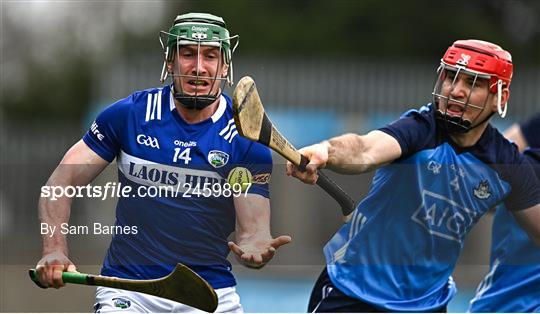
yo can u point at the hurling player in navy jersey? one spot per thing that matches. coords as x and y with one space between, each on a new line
513 281
182 136
439 169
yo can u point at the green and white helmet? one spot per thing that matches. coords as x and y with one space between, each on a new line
200 29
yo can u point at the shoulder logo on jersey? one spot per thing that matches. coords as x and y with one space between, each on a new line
148 141
153 106
218 158
95 131
482 191
261 178
121 303
229 132
434 167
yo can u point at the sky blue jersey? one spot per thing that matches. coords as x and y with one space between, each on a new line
401 245
513 282
155 147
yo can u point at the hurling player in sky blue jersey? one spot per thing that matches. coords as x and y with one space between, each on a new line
513 281
182 136
439 169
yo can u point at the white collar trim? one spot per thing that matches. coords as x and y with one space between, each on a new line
220 109
172 106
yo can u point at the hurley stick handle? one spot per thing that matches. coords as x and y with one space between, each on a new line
67 277
331 187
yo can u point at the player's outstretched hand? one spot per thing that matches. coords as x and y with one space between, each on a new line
318 157
256 252
50 268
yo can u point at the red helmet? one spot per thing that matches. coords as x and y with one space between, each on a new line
478 59
481 57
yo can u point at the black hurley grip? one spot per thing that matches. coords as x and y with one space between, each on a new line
303 163
33 275
331 187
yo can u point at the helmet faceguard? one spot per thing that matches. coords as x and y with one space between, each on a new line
478 60
197 30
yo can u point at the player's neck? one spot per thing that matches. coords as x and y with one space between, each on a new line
470 138
192 116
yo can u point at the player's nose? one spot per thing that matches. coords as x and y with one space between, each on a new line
459 89
202 66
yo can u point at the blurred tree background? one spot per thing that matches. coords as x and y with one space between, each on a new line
52 51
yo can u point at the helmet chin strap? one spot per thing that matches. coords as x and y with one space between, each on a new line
457 124
198 102
502 112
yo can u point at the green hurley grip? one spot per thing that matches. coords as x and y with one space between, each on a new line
77 278
67 277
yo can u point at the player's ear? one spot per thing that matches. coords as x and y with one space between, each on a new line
505 95
224 70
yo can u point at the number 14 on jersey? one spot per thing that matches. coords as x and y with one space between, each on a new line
180 154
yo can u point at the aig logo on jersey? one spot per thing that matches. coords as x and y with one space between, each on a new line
444 217
218 158
148 141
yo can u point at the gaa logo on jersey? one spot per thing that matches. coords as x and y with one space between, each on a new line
148 141
444 217
218 158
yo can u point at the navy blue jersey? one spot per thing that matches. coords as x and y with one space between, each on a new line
531 131
155 147
513 282
401 245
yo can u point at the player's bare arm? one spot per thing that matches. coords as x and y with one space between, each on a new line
254 245
529 220
348 154
79 167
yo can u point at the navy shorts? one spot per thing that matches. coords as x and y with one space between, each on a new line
326 298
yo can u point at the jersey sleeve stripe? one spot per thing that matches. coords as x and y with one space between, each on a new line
233 135
159 104
154 105
231 130
226 128
148 107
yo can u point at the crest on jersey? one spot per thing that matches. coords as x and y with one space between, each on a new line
218 158
482 191
121 303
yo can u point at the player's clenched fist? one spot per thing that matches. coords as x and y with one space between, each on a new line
318 157
50 268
